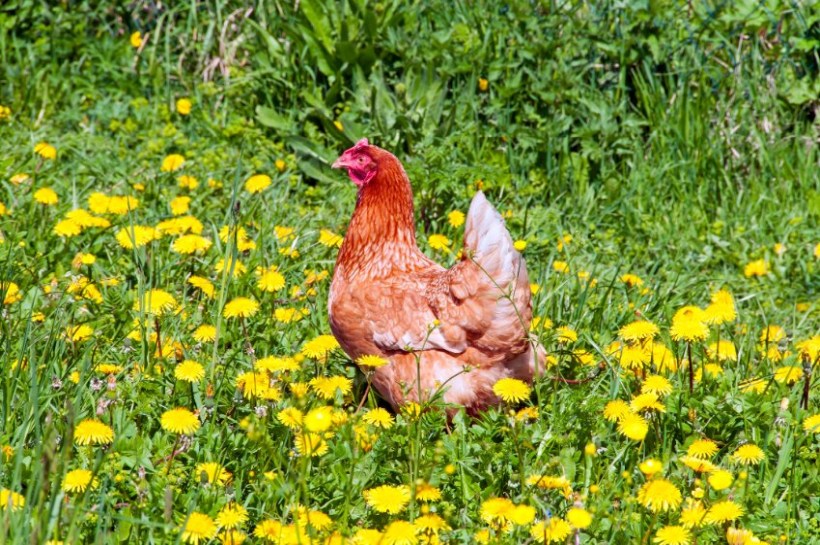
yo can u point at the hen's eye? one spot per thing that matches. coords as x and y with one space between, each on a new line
360 159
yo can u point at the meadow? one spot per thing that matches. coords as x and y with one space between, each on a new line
169 224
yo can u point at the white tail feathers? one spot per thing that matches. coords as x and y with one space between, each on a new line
487 238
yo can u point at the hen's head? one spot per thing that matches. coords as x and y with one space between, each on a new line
361 162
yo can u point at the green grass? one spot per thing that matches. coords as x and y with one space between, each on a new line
675 141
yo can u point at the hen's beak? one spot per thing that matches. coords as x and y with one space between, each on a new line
341 162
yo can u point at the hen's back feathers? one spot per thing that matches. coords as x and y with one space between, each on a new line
489 287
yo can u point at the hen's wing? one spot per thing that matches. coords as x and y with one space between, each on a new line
482 302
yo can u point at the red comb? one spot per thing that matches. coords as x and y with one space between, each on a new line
361 144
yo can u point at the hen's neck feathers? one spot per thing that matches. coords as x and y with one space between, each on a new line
381 236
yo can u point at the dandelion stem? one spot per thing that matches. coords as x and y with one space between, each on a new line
364 396
691 372
159 336
173 455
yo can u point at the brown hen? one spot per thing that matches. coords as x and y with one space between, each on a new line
457 330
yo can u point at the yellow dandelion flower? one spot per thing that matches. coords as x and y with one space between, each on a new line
512 390
689 324
157 302
199 528
646 402
633 426
379 418
722 351
299 389
180 226
788 374
287 315
456 218
240 307
496 511
672 535
699 465
431 524
662 358
522 515
237 267
93 432
812 424
179 205
371 361
232 537
45 150
9 498
46 196
212 473
257 183
809 348
179 421
257 385
77 480
204 333
702 448
326 387
560 267
439 242
136 236
320 347
566 334
183 106
108 369
172 163
135 39
232 516
720 479
283 234
748 454
656 384
724 511
757 268
692 514
554 530
191 244
203 284
631 280
187 182
276 364
772 334
399 532
79 333
310 444
189 371
270 279
427 493
615 410
650 466
659 495
10 292
330 239
291 417
319 420
548 482
717 313
388 499
579 518
638 331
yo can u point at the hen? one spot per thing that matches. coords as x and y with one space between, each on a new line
456 330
